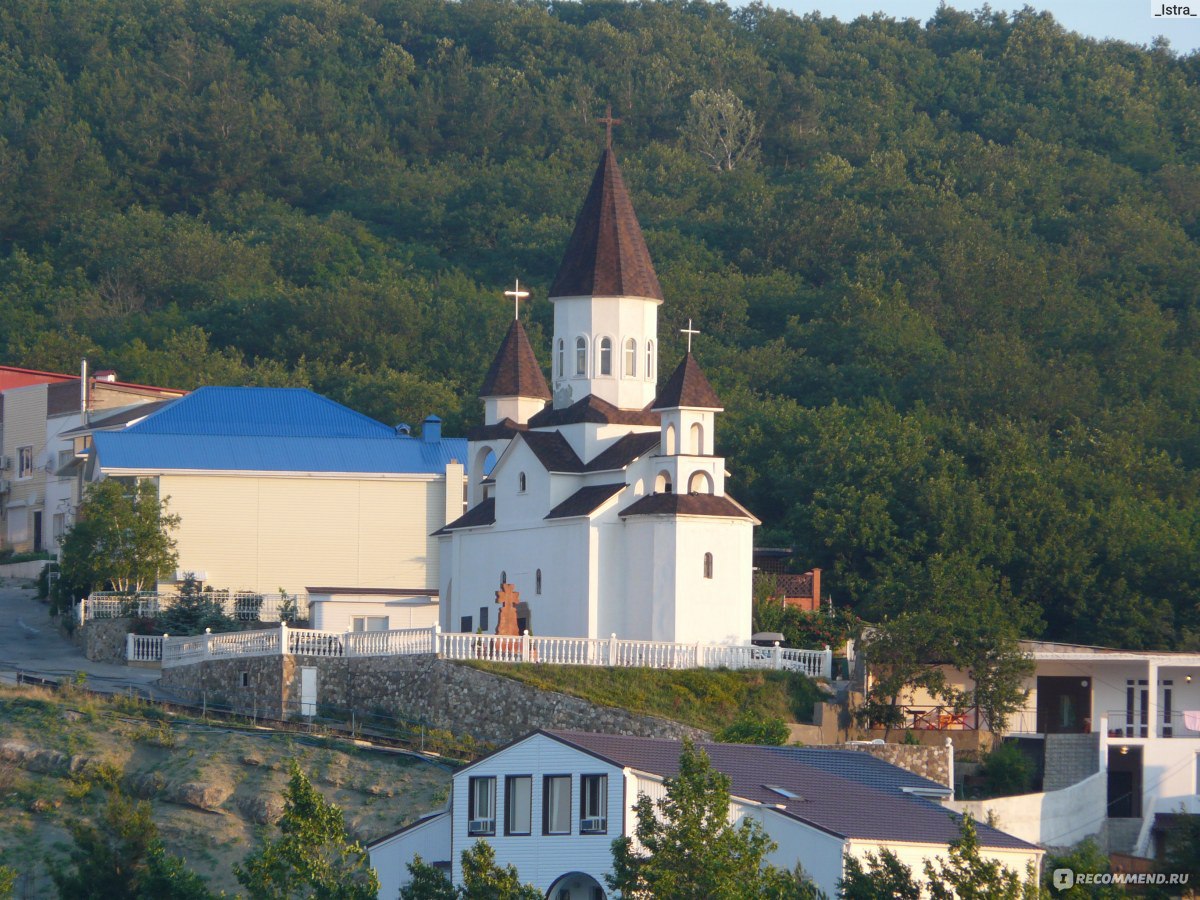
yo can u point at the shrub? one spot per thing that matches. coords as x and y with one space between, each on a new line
1007 770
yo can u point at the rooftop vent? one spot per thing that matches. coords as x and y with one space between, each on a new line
404 429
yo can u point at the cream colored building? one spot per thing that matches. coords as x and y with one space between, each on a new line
279 488
39 486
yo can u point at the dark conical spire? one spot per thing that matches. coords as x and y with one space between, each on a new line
515 371
607 255
687 387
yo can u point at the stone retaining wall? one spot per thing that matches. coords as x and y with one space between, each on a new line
934 763
103 640
440 693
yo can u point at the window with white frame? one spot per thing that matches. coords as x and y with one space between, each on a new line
649 360
518 804
593 804
370 623
481 805
580 356
556 804
25 462
606 353
630 358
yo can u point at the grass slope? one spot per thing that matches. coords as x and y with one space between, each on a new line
704 698
211 786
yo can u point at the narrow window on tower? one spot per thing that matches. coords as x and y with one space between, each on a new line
580 356
630 358
605 356
649 360
562 352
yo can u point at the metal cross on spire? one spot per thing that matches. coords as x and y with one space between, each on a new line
608 122
518 295
689 331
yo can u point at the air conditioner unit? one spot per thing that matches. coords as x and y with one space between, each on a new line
593 825
481 826
5 463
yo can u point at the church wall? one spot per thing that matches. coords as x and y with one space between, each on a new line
618 318
559 550
718 608
530 506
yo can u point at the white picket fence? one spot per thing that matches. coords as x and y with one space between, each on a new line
610 651
244 606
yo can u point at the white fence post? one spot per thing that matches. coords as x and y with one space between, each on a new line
612 649
777 655
208 643
283 639
128 647
436 637
82 607
525 646
827 663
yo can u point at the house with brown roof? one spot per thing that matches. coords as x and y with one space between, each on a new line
601 499
553 802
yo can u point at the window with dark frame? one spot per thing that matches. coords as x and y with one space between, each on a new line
556 804
464 625
518 804
25 462
483 618
481 805
593 804
708 565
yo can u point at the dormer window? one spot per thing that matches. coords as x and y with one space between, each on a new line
606 353
580 356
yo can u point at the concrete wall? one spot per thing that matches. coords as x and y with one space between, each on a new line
24 570
1055 819
442 694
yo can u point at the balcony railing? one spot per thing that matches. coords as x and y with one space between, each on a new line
1176 724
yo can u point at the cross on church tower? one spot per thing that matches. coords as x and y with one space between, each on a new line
518 295
608 122
689 331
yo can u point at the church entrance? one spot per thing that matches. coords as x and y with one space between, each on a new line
576 886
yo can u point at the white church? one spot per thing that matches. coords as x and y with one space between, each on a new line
602 502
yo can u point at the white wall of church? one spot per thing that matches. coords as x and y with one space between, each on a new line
717 608
618 319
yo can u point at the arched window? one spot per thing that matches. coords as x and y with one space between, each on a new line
649 360
700 483
560 359
605 356
521 483
580 356
708 565
537 582
671 439
630 358
662 483
697 438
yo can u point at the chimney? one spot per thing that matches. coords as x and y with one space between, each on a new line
431 430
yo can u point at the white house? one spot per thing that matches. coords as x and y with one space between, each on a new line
1118 735
552 803
603 501
282 488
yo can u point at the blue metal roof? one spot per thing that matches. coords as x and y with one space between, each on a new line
270 430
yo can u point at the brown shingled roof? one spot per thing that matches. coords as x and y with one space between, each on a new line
515 371
688 505
553 451
607 255
505 428
687 386
584 501
483 513
624 451
592 409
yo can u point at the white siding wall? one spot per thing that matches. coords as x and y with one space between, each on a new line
338 614
24 426
390 858
915 855
264 533
542 859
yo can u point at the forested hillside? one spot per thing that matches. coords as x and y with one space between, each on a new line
952 303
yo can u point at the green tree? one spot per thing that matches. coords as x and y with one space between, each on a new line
123 856
483 879
122 538
967 875
1183 848
690 851
883 878
313 857
8 882
751 730
1084 857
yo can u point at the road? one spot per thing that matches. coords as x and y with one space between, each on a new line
30 642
